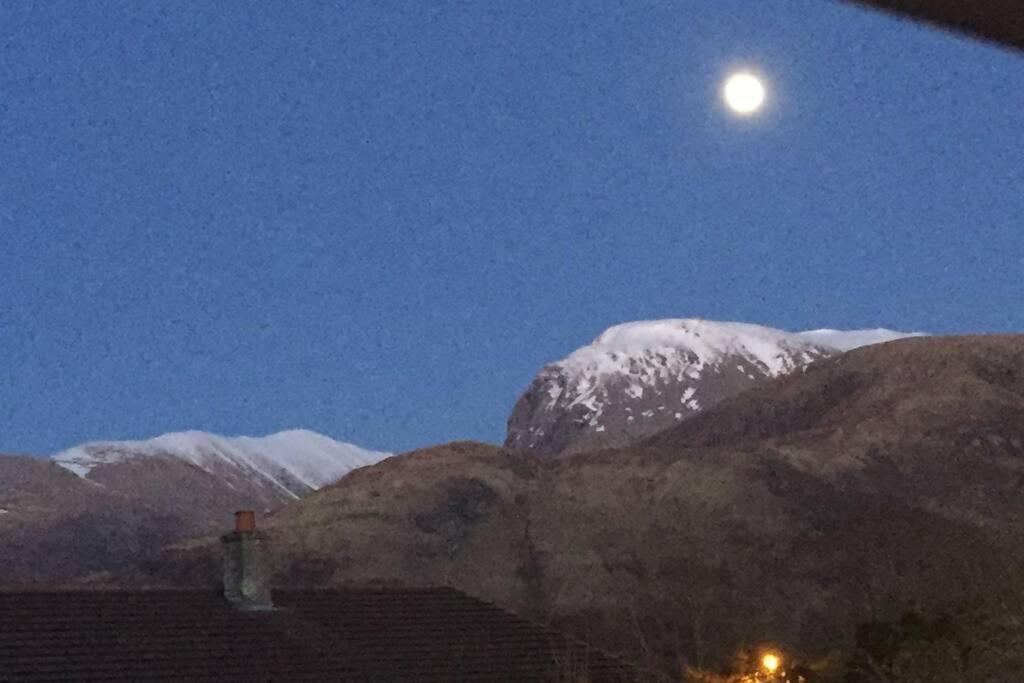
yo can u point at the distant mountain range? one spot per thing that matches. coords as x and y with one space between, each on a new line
94 509
877 481
807 491
101 506
640 378
288 464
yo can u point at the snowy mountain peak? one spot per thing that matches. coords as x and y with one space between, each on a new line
293 461
702 342
638 378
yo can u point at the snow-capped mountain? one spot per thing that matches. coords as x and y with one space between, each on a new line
639 378
292 462
101 507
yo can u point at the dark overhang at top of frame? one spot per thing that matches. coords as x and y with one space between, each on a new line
1000 21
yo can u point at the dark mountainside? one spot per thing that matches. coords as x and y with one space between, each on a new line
57 528
90 512
928 385
878 482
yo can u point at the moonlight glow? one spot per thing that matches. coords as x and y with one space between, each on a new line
744 93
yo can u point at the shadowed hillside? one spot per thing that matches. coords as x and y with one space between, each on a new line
909 389
59 528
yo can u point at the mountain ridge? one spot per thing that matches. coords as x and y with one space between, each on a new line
636 379
95 509
293 461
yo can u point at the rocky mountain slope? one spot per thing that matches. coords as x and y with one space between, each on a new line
967 390
57 526
96 509
640 378
883 479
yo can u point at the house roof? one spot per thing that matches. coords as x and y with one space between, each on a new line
359 635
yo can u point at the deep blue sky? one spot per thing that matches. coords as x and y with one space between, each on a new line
379 221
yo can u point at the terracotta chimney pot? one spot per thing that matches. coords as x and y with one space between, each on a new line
245 520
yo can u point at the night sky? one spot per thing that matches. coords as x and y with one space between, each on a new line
378 222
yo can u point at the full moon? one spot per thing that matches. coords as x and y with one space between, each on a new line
744 93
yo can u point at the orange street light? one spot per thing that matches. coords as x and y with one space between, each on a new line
771 662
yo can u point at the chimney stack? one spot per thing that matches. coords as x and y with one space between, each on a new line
245 520
246 577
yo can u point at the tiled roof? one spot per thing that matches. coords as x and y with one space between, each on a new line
361 635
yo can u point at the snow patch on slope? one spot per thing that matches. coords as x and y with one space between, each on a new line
709 341
846 340
311 459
